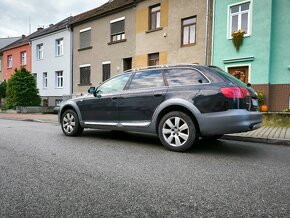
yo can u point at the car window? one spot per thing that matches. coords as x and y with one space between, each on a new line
147 79
183 77
228 76
115 84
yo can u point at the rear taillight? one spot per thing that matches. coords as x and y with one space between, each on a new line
235 92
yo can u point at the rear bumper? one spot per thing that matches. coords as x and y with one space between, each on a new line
231 121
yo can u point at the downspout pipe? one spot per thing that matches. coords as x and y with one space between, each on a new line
206 31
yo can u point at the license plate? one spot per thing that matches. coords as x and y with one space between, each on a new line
255 102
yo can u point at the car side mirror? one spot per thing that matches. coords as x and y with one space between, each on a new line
249 84
91 90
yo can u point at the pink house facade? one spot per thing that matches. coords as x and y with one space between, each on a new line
16 57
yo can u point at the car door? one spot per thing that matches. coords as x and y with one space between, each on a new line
138 102
102 108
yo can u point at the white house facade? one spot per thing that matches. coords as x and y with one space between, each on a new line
52 63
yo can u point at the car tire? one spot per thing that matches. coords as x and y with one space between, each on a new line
177 131
70 124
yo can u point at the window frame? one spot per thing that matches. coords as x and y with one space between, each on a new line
59 48
229 20
45 80
188 25
153 59
59 79
81 82
90 43
9 61
121 34
39 51
151 15
23 58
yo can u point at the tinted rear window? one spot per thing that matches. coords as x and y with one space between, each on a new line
147 79
228 76
183 77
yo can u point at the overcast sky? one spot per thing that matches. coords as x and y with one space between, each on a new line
15 14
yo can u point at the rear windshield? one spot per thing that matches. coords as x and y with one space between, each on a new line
228 76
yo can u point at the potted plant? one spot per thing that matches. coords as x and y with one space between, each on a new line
262 106
238 38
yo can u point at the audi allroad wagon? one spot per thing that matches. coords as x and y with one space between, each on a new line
178 103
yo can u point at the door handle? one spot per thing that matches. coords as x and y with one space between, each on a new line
114 98
157 94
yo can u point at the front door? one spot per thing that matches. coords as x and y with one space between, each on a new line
102 109
240 73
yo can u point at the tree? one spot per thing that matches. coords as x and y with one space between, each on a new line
21 90
3 90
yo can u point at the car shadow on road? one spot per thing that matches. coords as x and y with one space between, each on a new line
222 147
225 147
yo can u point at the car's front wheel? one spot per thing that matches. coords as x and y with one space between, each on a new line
70 124
177 131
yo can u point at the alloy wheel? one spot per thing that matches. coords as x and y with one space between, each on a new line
68 123
175 131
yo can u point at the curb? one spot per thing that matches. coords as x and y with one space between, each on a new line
273 141
28 120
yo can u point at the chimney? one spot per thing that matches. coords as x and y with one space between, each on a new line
23 36
50 24
39 28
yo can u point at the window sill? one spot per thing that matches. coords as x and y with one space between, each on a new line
86 48
58 55
87 84
116 42
59 87
188 45
157 29
245 36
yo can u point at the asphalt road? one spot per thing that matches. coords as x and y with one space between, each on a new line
46 174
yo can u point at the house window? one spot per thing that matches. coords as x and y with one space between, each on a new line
10 61
59 47
58 102
59 79
153 59
45 80
23 58
106 70
240 73
118 29
154 17
85 38
39 50
35 76
85 75
188 30
239 18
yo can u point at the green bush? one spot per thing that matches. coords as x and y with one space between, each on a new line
21 90
3 90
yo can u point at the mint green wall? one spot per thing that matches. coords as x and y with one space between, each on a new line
257 45
280 49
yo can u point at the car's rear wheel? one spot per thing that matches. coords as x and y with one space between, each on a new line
70 124
177 131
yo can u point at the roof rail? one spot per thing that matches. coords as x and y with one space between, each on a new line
160 66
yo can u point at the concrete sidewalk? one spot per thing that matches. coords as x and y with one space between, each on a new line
270 135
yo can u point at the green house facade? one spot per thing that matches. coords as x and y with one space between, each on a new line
263 59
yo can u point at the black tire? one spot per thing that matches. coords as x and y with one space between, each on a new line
212 138
177 135
70 124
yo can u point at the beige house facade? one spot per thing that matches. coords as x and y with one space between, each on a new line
182 33
103 46
125 34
